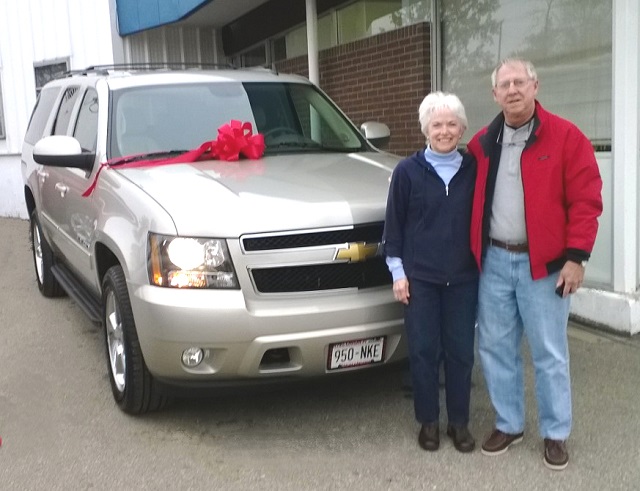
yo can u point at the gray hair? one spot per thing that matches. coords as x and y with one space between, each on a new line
436 101
528 66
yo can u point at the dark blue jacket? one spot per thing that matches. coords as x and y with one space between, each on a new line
427 223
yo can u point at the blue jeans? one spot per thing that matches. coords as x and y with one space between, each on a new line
510 304
440 325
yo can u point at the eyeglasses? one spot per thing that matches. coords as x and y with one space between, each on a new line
518 83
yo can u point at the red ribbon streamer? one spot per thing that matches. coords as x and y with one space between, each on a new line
235 139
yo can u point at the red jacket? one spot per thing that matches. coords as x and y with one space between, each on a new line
562 191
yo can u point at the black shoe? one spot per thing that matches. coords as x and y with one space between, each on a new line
462 438
429 437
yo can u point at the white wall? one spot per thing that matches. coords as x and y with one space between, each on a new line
39 31
12 197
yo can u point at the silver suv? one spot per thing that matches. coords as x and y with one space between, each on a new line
212 272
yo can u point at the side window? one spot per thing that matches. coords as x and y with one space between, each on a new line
272 107
49 71
40 114
86 130
63 118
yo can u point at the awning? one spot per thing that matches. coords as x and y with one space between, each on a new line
138 15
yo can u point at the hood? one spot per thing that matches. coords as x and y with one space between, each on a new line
276 193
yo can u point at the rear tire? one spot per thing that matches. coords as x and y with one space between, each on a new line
133 387
43 260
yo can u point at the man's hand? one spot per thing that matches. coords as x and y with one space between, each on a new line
571 275
401 290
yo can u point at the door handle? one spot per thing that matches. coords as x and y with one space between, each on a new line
42 176
62 189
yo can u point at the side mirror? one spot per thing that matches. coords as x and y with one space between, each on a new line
378 134
62 151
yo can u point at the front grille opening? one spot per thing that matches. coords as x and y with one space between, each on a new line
368 274
275 357
371 232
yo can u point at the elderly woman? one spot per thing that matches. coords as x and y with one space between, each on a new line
434 274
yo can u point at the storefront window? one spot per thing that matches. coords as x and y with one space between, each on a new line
370 17
254 57
569 42
296 40
356 20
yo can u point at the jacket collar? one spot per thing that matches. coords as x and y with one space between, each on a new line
421 160
490 138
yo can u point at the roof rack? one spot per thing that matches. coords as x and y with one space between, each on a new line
105 69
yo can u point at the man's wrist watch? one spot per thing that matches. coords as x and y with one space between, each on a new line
581 263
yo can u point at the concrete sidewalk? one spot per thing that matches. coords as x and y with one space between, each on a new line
61 430
604 446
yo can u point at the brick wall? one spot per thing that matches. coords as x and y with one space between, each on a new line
381 78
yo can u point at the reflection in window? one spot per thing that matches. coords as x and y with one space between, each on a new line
569 42
46 73
40 114
279 49
370 17
296 40
356 20
86 130
63 118
296 117
173 117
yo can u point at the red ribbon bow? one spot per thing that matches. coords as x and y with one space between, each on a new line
234 139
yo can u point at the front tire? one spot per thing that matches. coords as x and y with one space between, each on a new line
43 260
133 387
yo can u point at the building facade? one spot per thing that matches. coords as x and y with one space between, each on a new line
377 59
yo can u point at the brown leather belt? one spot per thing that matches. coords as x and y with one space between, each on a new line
509 247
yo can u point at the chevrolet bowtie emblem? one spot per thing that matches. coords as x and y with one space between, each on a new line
357 251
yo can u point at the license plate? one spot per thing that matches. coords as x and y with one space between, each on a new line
356 353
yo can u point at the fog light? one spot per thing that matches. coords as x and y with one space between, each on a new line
192 357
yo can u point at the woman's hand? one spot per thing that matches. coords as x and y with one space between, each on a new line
401 290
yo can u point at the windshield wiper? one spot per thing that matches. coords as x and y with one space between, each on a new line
295 144
341 149
147 156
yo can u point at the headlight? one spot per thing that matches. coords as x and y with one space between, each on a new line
189 262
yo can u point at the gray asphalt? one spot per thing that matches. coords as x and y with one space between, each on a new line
60 428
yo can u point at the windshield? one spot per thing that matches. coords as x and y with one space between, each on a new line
292 117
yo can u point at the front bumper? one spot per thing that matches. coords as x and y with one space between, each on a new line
240 337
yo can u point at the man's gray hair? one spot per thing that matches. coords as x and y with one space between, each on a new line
528 66
436 101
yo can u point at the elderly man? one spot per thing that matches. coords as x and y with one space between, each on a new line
534 223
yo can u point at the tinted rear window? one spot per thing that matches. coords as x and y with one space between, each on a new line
40 114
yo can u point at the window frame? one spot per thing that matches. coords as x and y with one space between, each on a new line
41 77
3 132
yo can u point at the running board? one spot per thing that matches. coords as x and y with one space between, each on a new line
89 304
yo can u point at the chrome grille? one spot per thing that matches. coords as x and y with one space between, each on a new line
318 277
